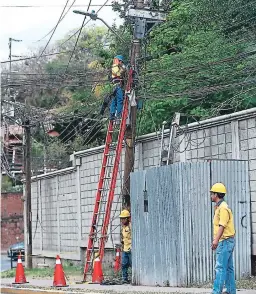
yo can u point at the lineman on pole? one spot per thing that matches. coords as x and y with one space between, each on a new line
223 242
116 98
127 244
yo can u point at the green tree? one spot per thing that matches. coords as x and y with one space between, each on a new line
209 69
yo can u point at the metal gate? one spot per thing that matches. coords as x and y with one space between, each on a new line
172 221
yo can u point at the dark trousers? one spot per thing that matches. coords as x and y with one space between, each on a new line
117 102
126 263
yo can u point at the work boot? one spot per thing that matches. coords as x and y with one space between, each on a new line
112 116
117 122
118 119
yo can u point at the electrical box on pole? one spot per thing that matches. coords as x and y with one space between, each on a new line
141 17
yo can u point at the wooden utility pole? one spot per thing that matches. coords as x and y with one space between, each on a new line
10 66
130 139
27 170
131 129
140 16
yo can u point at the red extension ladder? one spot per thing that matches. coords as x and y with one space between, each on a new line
106 187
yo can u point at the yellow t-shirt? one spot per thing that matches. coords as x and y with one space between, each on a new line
117 71
223 216
127 238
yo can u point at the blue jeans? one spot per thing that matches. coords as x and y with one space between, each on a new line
126 263
117 102
224 268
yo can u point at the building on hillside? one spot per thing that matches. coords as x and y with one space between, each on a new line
12 138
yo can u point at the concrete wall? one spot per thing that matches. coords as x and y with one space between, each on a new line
235 139
62 207
65 199
12 226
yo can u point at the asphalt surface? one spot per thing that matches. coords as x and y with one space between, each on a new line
6 263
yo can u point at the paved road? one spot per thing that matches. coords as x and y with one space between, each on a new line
6 262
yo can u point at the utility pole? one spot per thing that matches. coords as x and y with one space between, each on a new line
9 92
142 16
130 134
10 65
8 96
27 169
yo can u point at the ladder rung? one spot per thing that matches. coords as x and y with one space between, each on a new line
102 189
110 154
100 201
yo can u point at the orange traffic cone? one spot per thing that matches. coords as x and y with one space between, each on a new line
20 275
117 260
59 276
97 275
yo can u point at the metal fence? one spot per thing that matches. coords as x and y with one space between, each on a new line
173 214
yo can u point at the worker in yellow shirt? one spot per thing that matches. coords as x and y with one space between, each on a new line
223 241
116 97
127 244
118 72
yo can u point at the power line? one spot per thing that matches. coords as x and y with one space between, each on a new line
58 22
71 56
104 4
73 51
35 57
56 53
203 90
192 68
47 6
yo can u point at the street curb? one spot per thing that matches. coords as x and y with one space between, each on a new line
12 290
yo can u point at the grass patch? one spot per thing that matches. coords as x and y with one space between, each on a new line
69 270
248 283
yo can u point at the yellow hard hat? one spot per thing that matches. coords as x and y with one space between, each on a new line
124 214
218 188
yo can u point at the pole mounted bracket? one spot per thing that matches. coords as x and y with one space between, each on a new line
152 15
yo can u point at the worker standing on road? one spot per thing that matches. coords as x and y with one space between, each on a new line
127 244
223 242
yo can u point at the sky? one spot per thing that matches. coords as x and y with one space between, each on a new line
31 24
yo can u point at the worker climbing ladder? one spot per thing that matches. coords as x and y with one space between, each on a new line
106 187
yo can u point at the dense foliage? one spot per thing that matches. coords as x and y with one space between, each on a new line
211 70
200 62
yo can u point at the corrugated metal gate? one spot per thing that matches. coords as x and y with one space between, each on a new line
173 213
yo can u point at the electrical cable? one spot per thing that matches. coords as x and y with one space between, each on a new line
58 22
62 17
104 4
